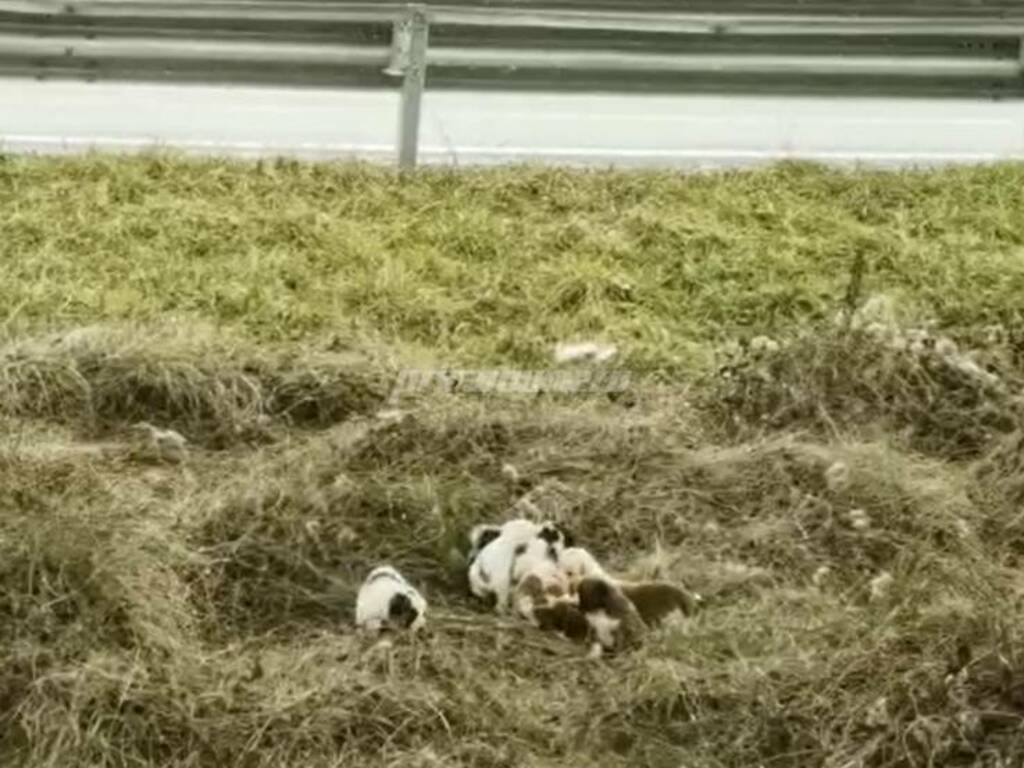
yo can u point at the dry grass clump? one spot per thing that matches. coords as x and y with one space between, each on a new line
320 700
104 379
780 507
998 487
837 379
80 571
210 620
794 679
1001 471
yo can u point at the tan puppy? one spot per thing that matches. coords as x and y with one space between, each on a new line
538 589
577 564
613 619
542 598
655 600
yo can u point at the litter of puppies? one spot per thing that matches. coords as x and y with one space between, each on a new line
536 572
559 586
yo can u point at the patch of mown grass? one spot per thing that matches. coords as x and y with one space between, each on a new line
493 266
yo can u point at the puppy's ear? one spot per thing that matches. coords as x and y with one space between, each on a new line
549 533
568 539
487 536
480 537
401 611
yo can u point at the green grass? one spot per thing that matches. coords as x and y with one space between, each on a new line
494 266
198 615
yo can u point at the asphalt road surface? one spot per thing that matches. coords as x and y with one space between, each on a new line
472 128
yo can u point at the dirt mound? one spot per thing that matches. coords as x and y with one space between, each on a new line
941 400
102 380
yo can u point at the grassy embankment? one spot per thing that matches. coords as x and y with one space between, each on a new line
197 614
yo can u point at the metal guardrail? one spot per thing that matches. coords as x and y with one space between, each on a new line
411 57
618 21
91 34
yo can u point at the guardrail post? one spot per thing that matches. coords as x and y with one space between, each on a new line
409 61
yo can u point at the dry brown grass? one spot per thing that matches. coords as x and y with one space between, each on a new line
103 380
912 383
199 613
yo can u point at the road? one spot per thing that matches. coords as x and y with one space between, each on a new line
470 128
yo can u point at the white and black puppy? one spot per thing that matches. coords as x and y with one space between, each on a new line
538 555
480 537
386 601
519 548
492 549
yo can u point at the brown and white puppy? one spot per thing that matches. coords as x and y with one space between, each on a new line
539 588
565 618
655 600
542 598
613 619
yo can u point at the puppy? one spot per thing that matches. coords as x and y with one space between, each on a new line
614 621
565 618
480 537
577 564
521 547
540 588
556 536
541 554
386 601
654 600
491 563
547 605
